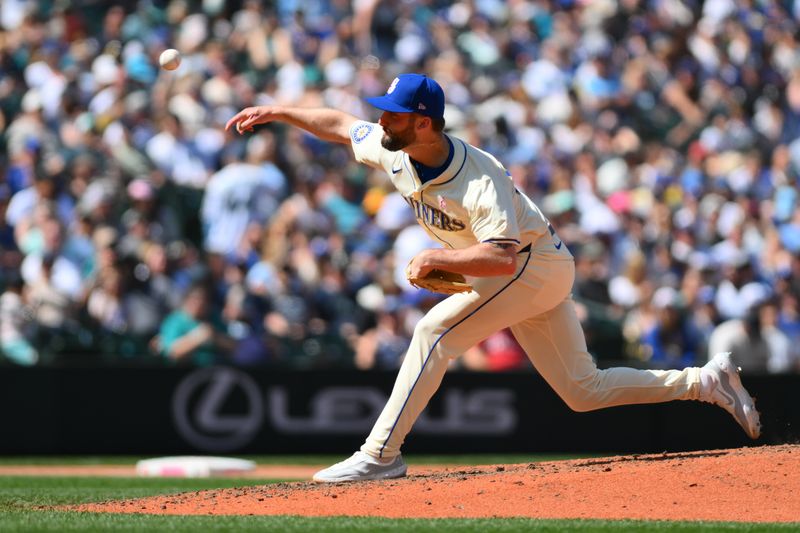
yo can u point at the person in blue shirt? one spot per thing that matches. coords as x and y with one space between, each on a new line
190 334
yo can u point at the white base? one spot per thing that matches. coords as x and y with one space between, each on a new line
192 466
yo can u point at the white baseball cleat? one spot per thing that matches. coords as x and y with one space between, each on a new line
730 394
362 467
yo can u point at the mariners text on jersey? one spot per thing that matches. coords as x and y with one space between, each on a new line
431 216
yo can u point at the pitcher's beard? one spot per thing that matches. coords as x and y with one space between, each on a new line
393 144
398 140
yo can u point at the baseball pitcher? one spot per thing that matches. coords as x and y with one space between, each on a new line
493 233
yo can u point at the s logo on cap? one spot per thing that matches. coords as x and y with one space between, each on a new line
390 90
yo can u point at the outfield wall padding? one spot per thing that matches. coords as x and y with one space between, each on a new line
225 410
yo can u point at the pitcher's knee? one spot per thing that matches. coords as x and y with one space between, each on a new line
432 333
583 394
428 328
580 403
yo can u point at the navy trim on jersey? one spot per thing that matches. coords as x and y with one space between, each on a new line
427 173
448 330
459 168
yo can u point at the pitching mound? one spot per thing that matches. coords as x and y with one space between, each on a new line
747 485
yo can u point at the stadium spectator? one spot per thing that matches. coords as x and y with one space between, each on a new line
241 194
755 341
15 324
152 292
51 305
62 273
192 333
672 341
383 346
161 222
105 303
10 257
21 209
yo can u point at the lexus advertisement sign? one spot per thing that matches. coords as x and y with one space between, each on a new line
224 409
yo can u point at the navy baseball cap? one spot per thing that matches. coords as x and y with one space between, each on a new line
412 93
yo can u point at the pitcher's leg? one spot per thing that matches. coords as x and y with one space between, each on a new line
418 379
445 332
555 343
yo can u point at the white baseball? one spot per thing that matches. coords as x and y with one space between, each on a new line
169 59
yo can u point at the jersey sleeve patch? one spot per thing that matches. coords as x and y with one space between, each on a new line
365 140
360 131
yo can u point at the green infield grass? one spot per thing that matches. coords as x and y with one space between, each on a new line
25 505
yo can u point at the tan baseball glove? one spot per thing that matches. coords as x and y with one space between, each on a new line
440 281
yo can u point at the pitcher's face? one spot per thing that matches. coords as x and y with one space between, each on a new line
398 130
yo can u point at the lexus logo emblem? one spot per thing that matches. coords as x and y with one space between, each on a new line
218 409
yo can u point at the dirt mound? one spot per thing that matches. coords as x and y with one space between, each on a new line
747 485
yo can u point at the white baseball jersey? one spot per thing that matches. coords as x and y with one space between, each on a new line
474 200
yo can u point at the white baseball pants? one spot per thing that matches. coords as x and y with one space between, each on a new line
536 304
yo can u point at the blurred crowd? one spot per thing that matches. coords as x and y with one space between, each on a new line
660 137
